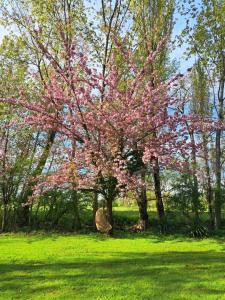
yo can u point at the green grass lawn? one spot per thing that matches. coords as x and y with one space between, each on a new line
140 266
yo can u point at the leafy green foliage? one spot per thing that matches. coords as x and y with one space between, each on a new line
197 230
180 200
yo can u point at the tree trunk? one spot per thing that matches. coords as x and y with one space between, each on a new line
109 202
76 220
208 184
218 190
24 212
218 199
142 202
210 201
94 208
35 221
195 198
158 194
195 192
4 217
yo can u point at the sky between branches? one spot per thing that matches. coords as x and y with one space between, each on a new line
178 53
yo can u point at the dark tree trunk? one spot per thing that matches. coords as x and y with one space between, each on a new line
24 213
142 202
76 220
210 202
158 194
142 206
109 202
195 198
94 208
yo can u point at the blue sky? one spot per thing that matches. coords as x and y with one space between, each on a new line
2 32
178 52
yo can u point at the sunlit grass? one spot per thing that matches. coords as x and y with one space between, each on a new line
140 266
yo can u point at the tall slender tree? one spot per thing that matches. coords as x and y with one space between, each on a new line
152 21
200 105
206 38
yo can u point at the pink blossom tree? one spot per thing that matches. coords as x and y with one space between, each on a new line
105 122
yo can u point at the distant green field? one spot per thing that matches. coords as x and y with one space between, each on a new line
138 266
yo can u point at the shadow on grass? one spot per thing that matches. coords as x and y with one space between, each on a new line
127 275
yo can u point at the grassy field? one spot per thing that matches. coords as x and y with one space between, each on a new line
140 266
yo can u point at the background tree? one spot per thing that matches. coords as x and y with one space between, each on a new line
152 21
200 105
206 40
